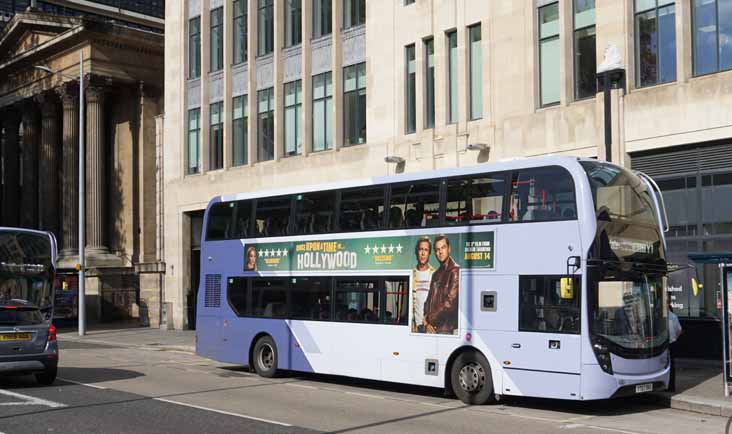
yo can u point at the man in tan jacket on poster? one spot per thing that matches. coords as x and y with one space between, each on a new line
441 307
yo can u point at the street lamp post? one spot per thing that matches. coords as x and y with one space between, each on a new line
82 184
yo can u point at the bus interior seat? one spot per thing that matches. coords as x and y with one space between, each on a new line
396 219
413 218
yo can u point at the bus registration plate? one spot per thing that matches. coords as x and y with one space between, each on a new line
642 388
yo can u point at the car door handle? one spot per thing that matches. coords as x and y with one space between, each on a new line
516 345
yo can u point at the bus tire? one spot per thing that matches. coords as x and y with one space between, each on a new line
471 379
265 357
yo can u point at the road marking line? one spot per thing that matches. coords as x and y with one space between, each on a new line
227 413
82 384
602 428
32 399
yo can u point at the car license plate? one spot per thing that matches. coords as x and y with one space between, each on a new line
642 388
16 337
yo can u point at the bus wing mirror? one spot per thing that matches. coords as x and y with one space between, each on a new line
567 288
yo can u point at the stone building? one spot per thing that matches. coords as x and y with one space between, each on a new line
338 85
40 54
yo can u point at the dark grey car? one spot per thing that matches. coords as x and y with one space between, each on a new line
27 342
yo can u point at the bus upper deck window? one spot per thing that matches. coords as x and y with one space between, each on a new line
542 194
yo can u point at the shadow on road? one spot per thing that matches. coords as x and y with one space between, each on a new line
79 375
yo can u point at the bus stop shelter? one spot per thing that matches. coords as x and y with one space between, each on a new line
724 261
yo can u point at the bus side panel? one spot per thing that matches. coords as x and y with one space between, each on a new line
207 336
239 334
541 384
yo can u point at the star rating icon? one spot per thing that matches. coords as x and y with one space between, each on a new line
367 249
399 248
261 253
391 248
383 248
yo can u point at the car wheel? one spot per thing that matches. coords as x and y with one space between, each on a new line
471 379
265 357
47 377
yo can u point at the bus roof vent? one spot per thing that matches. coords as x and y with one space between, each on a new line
213 290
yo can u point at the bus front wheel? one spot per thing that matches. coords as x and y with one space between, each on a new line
265 357
471 379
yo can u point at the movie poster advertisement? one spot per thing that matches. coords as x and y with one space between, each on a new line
434 260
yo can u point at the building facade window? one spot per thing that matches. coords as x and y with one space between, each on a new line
410 96
216 142
322 112
452 78
240 130
194 141
217 39
655 46
265 27
476 76
240 31
265 124
322 17
354 13
293 115
585 60
194 47
429 83
354 104
549 54
712 35
293 22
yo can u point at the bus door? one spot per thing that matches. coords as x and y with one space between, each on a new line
544 357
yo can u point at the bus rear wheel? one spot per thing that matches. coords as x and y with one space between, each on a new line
265 357
471 379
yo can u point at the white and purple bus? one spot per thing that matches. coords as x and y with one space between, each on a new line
540 277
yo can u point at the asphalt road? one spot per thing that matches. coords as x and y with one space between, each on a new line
111 390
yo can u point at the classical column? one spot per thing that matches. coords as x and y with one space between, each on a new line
11 167
48 211
95 171
29 196
70 171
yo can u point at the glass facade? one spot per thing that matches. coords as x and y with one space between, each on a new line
476 76
265 27
354 13
240 32
293 118
712 31
240 131
194 47
410 96
585 61
655 42
354 104
216 134
549 54
193 156
217 39
452 78
429 83
322 18
293 22
322 112
265 124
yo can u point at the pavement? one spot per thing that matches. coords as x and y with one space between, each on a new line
699 383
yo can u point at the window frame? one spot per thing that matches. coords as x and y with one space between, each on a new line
540 41
355 19
410 89
265 116
473 116
244 42
429 83
636 44
265 27
197 170
324 29
293 19
244 121
216 33
216 136
325 77
717 46
248 311
577 283
194 47
297 108
575 58
453 89
357 93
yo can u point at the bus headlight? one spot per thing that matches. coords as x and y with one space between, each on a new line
603 356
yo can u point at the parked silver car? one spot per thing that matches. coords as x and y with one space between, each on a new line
27 342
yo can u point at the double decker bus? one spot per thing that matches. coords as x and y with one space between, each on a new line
540 277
